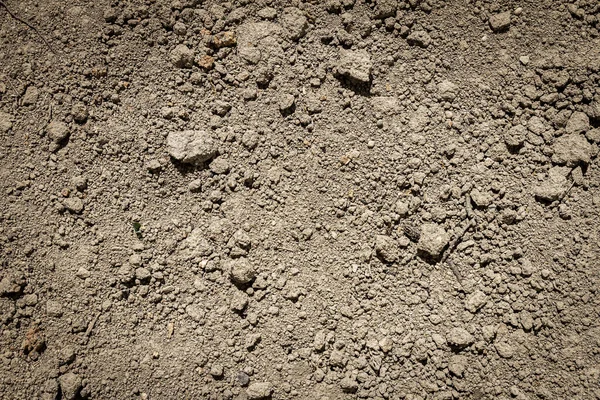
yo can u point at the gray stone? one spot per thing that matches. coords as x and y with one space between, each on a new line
5 122
196 244
182 56
537 125
219 166
31 96
504 349
142 274
578 123
258 41
515 137
475 301
349 385
401 208
241 271
79 112
217 371
457 365
195 312
70 385
489 332
66 355
355 64
385 104
554 186
433 240
180 29
447 90
259 391
386 248
286 103
83 273
191 147
500 22
386 9
294 22
572 150
54 309
242 378
57 131
481 199
267 13
11 285
221 108
73 204
459 338
593 135
419 38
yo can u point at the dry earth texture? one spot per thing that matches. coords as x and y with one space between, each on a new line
341 199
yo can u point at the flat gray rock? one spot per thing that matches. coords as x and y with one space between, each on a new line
356 65
191 147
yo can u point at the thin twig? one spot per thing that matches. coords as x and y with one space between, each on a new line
457 238
456 272
471 221
566 192
88 331
2 4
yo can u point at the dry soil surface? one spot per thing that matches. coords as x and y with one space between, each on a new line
341 199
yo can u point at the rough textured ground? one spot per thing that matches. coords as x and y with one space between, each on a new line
316 200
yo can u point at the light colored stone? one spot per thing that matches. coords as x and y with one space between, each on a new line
191 147
433 240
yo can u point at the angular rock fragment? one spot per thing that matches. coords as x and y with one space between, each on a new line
195 312
191 147
457 365
241 272
349 385
578 123
287 103
500 22
70 385
259 391
57 131
433 240
572 150
504 349
294 22
385 104
31 96
182 56
475 301
74 205
221 108
386 248
554 186
196 244
258 41
5 122
12 285
355 64
481 199
459 338
79 112
419 38
385 9
447 90
515 137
